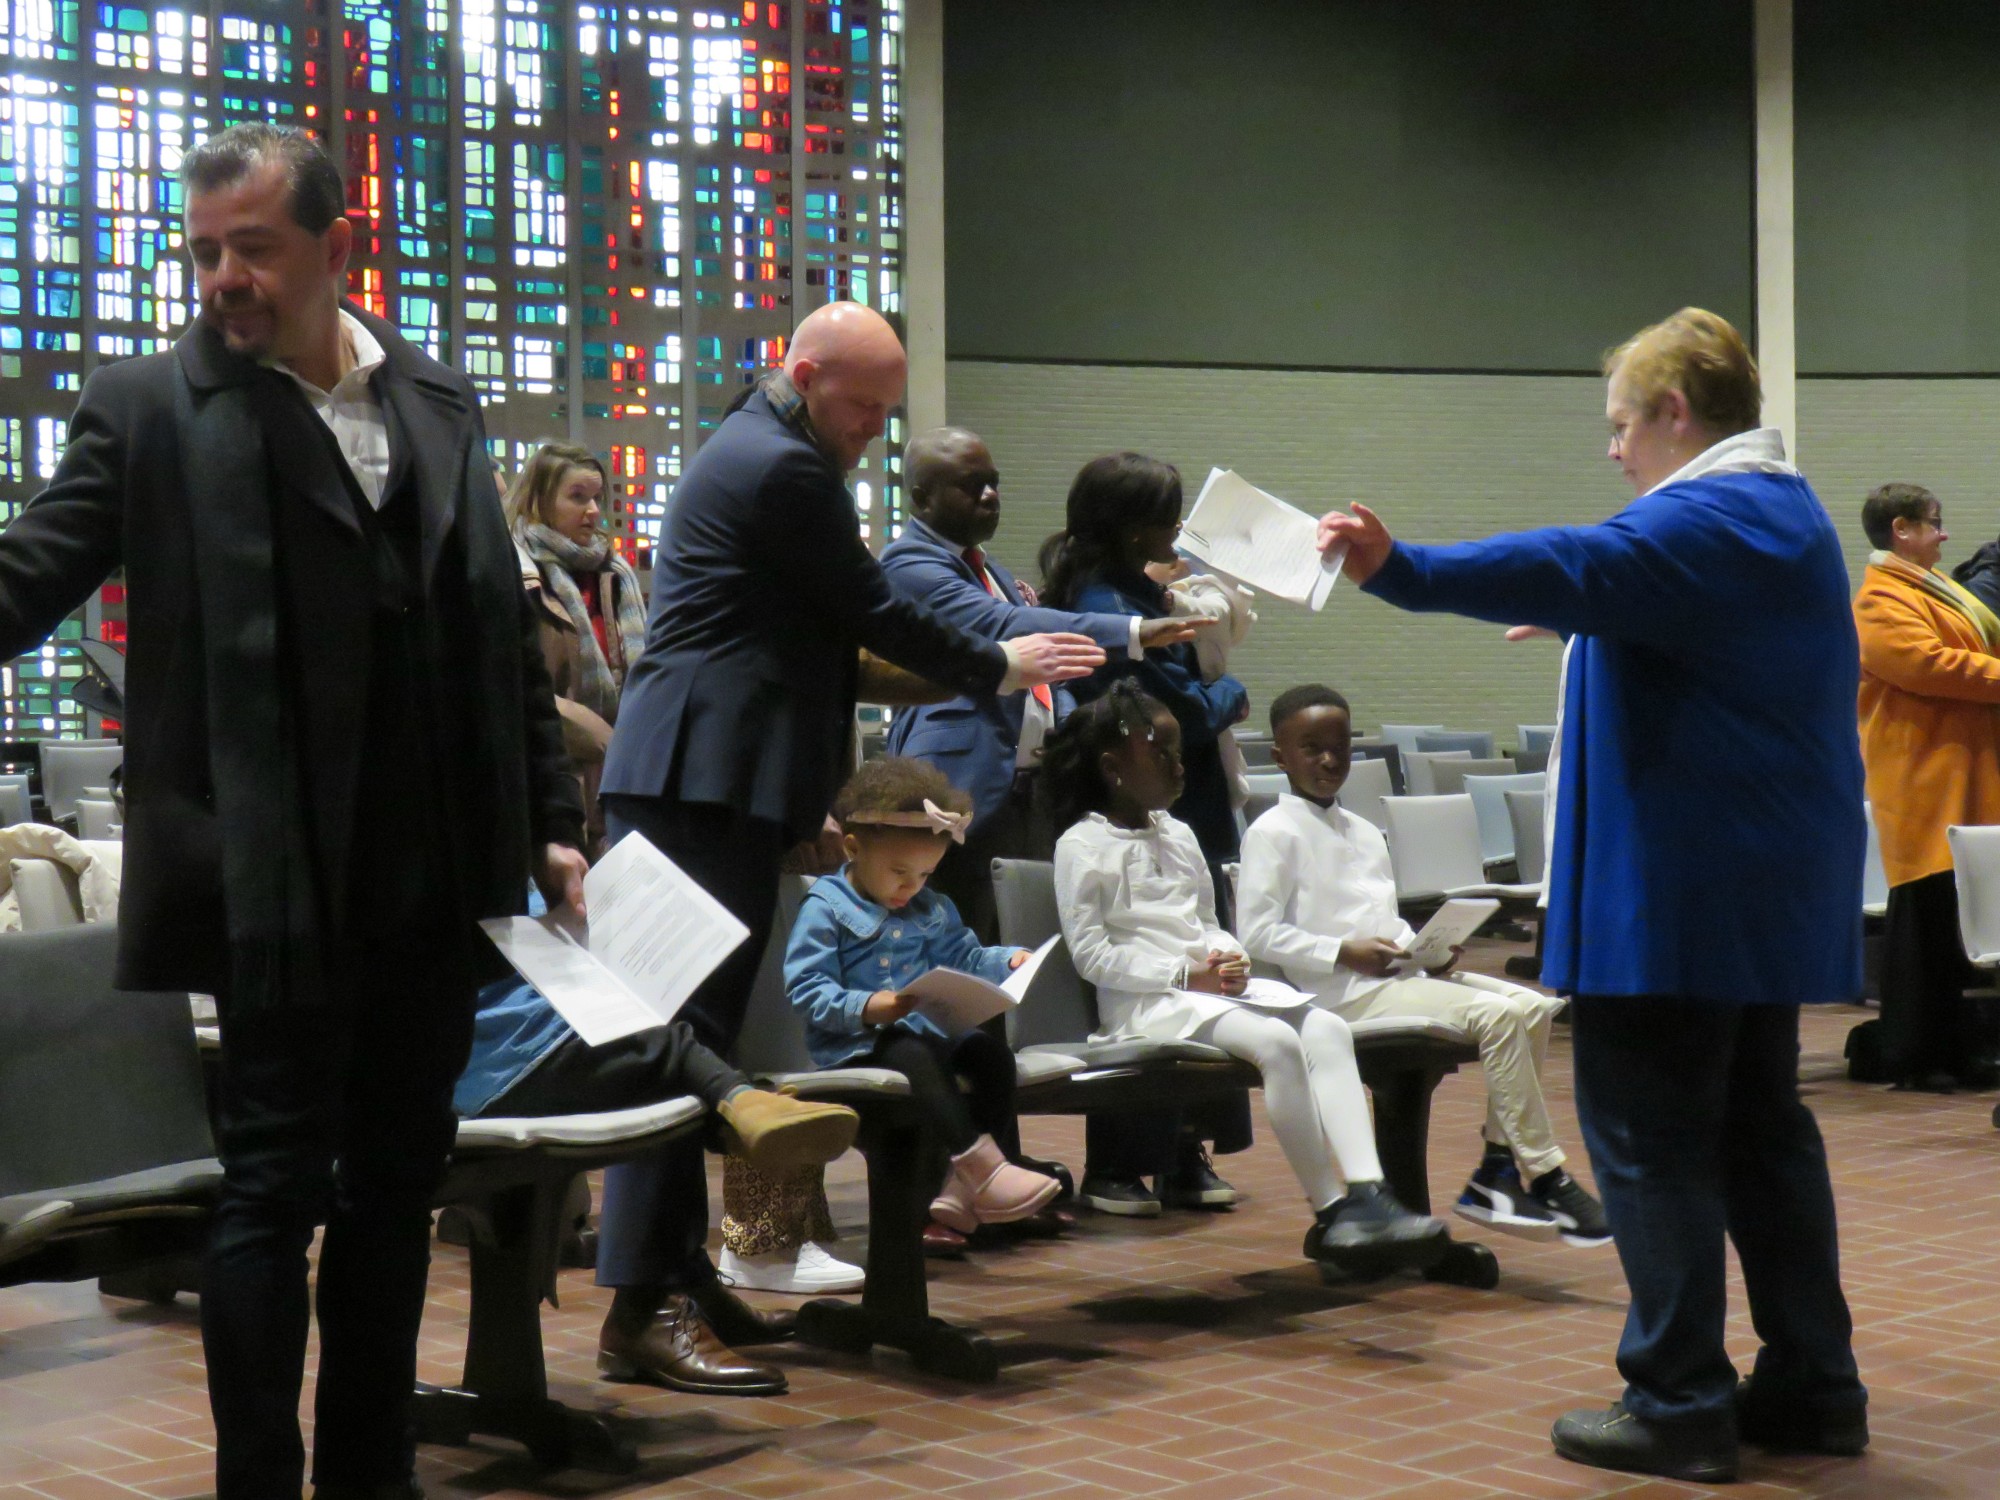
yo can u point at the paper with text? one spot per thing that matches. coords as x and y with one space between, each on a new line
1259 540
653 935
1450 926
958 1001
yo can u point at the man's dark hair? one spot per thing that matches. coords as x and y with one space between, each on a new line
226 158
1297 700
1889 503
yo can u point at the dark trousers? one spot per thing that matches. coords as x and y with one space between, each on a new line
1692 1115
337 1113
935 1064
653 1231
1928 1026
662 1063
965 874
1146 1143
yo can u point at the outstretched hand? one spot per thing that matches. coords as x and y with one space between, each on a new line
1530 633
560 875
1056 657
1364 536
1153 634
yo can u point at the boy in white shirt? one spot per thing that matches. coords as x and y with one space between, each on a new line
1318 899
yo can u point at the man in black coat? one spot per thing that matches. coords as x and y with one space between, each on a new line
341 751
732 731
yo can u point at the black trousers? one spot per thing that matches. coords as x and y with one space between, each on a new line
965 874
1927 1024
935 1064
653 1066
337 1113
653 1230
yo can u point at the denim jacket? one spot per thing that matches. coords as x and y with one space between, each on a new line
845 947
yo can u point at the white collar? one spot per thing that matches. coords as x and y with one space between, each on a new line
1157 822
366 348
1761 450
1333 817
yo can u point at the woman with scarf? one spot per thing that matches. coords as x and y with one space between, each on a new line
1930 739
586 597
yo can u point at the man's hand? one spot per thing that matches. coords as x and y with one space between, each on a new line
1367 541
885 1007
1028 595
1440 970
1531 633
1154 634
1055 657
1371 955
560 876
819 855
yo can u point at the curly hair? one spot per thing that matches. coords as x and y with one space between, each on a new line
897 784
1072 782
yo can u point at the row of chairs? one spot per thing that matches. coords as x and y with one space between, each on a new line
74 773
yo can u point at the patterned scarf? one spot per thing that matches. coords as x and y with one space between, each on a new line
565 566
1947 592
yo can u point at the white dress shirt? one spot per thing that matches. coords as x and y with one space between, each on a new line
351 411
1312 878
1138 911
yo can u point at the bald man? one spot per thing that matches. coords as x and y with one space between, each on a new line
731 736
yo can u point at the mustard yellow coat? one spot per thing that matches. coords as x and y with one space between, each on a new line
1930 722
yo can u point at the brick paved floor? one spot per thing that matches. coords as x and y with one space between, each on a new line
1193 1356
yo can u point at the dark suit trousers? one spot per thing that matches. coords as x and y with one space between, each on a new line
651 1067
965 874
1692 1114
1928 1026
337 1113
653 1231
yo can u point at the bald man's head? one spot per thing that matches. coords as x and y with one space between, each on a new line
848 364
954 487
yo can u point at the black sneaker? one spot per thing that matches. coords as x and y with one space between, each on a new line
1788 1427
1495 1197
1579 1217
1194 1183
1129 1197
1368 1233
1700 1452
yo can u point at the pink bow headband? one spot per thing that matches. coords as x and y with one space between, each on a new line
933 818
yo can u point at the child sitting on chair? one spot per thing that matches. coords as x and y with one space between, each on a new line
1138 913
1316 897
864 934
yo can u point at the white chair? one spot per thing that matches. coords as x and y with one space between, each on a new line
1478 742
1418 778
1535 738
47 894
16 803
69 766
97 819
1434 847
1256 750
1975 863
1404 736
1528 813
1449 776
1489 800
1874 879
1366 786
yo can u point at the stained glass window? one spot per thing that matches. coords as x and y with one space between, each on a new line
608 214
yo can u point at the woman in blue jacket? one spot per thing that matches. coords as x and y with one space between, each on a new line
1124 514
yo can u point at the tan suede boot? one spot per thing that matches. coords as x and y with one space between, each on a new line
778 1134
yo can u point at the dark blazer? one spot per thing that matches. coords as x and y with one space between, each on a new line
973 739
763 596
125 494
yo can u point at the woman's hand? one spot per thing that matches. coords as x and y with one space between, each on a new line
1367 541
1371 956
886 1007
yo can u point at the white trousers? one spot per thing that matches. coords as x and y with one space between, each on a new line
1510 1025
1312 1092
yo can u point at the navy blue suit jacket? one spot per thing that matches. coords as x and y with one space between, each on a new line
973 739
763 596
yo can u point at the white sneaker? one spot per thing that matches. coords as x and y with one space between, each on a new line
808 1273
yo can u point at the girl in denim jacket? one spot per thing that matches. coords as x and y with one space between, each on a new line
865 933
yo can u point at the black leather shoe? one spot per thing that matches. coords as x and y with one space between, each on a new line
677 1349
1789 1427
1699 1452
737 1322
1368 1233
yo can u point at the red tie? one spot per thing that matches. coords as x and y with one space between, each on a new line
976 560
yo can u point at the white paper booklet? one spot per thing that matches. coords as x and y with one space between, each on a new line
1450 926
653 935
958 1001
1271 994
1257 538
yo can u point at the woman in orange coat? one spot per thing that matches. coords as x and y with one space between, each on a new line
1930 738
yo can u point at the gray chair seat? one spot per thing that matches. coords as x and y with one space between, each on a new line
1409 1028
825 1083
1138 1053
609 1128
1031 1068
179 1188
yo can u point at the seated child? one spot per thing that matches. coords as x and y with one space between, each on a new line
1317 898
1138 912
863 934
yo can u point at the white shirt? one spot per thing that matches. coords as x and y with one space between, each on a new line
1138 911
1037 718
1312 878
351 411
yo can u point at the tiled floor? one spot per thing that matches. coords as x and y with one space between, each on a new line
1191 1356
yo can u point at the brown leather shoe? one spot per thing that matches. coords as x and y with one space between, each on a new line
735 1321
942 1242
676 1349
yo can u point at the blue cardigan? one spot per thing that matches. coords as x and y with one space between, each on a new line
1709 832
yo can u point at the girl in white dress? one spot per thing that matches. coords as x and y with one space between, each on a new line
1138 913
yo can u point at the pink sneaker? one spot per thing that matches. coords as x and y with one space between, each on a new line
983 1187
